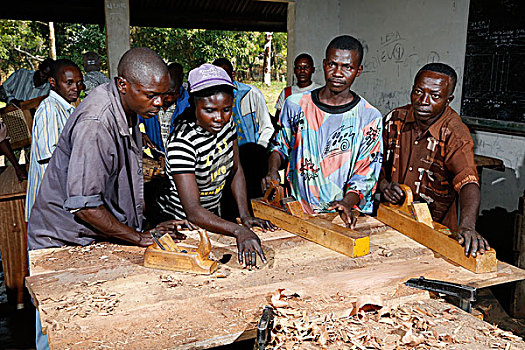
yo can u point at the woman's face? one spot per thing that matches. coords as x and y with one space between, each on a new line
213 112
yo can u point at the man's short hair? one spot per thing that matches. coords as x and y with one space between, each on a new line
91 59
223 62
440 68
59 65
176 72
140 65
346 42
47 63
303 56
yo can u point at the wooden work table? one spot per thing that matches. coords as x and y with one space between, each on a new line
101 296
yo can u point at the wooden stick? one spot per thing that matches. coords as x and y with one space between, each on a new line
340 239
436 240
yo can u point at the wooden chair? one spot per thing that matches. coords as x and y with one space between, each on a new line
19 121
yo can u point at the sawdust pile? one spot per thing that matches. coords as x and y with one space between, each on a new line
371 323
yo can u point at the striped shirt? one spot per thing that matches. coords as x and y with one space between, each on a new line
193 150
49 120
20 86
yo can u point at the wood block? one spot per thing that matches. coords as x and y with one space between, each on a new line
436 240
295 208
422 213
168 242
340 239
184 262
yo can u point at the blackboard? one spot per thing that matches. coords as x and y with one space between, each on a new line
494 78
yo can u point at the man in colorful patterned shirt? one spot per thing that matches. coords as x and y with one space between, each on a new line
428 148
331 138
50 117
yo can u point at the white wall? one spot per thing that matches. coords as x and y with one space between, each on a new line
399 37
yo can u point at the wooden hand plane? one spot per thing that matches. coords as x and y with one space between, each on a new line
415 221
167 255
288 214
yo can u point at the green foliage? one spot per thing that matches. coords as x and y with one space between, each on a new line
73 40
22 45
270 93
190 47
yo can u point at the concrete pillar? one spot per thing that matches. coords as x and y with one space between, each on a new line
117 32
290 47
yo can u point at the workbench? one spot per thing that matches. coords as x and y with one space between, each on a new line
101 296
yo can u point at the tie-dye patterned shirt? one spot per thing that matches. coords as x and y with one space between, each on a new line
331 150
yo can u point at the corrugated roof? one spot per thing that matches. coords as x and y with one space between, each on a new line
253 15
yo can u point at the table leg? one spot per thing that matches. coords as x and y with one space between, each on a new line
13 244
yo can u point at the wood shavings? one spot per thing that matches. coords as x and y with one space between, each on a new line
278 298
93 300
405 327
170 281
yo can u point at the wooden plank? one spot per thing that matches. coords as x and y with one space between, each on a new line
489 162
340 239
437 241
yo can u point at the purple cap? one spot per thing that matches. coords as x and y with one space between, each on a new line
208 75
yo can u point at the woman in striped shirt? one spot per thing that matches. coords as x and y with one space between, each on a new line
202 153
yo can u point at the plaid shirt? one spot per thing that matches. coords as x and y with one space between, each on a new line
435 163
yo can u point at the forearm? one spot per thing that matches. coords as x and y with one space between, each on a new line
107 224
351 199
5 148
469 201
204 218
274 162
266 129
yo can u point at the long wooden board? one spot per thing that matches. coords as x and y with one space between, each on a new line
437 241
340 239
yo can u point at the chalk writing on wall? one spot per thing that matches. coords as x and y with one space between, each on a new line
390 64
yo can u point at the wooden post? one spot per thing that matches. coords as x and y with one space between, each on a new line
290 47
117 32
52 41
268 58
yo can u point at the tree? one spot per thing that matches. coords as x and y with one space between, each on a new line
22 45
73 40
